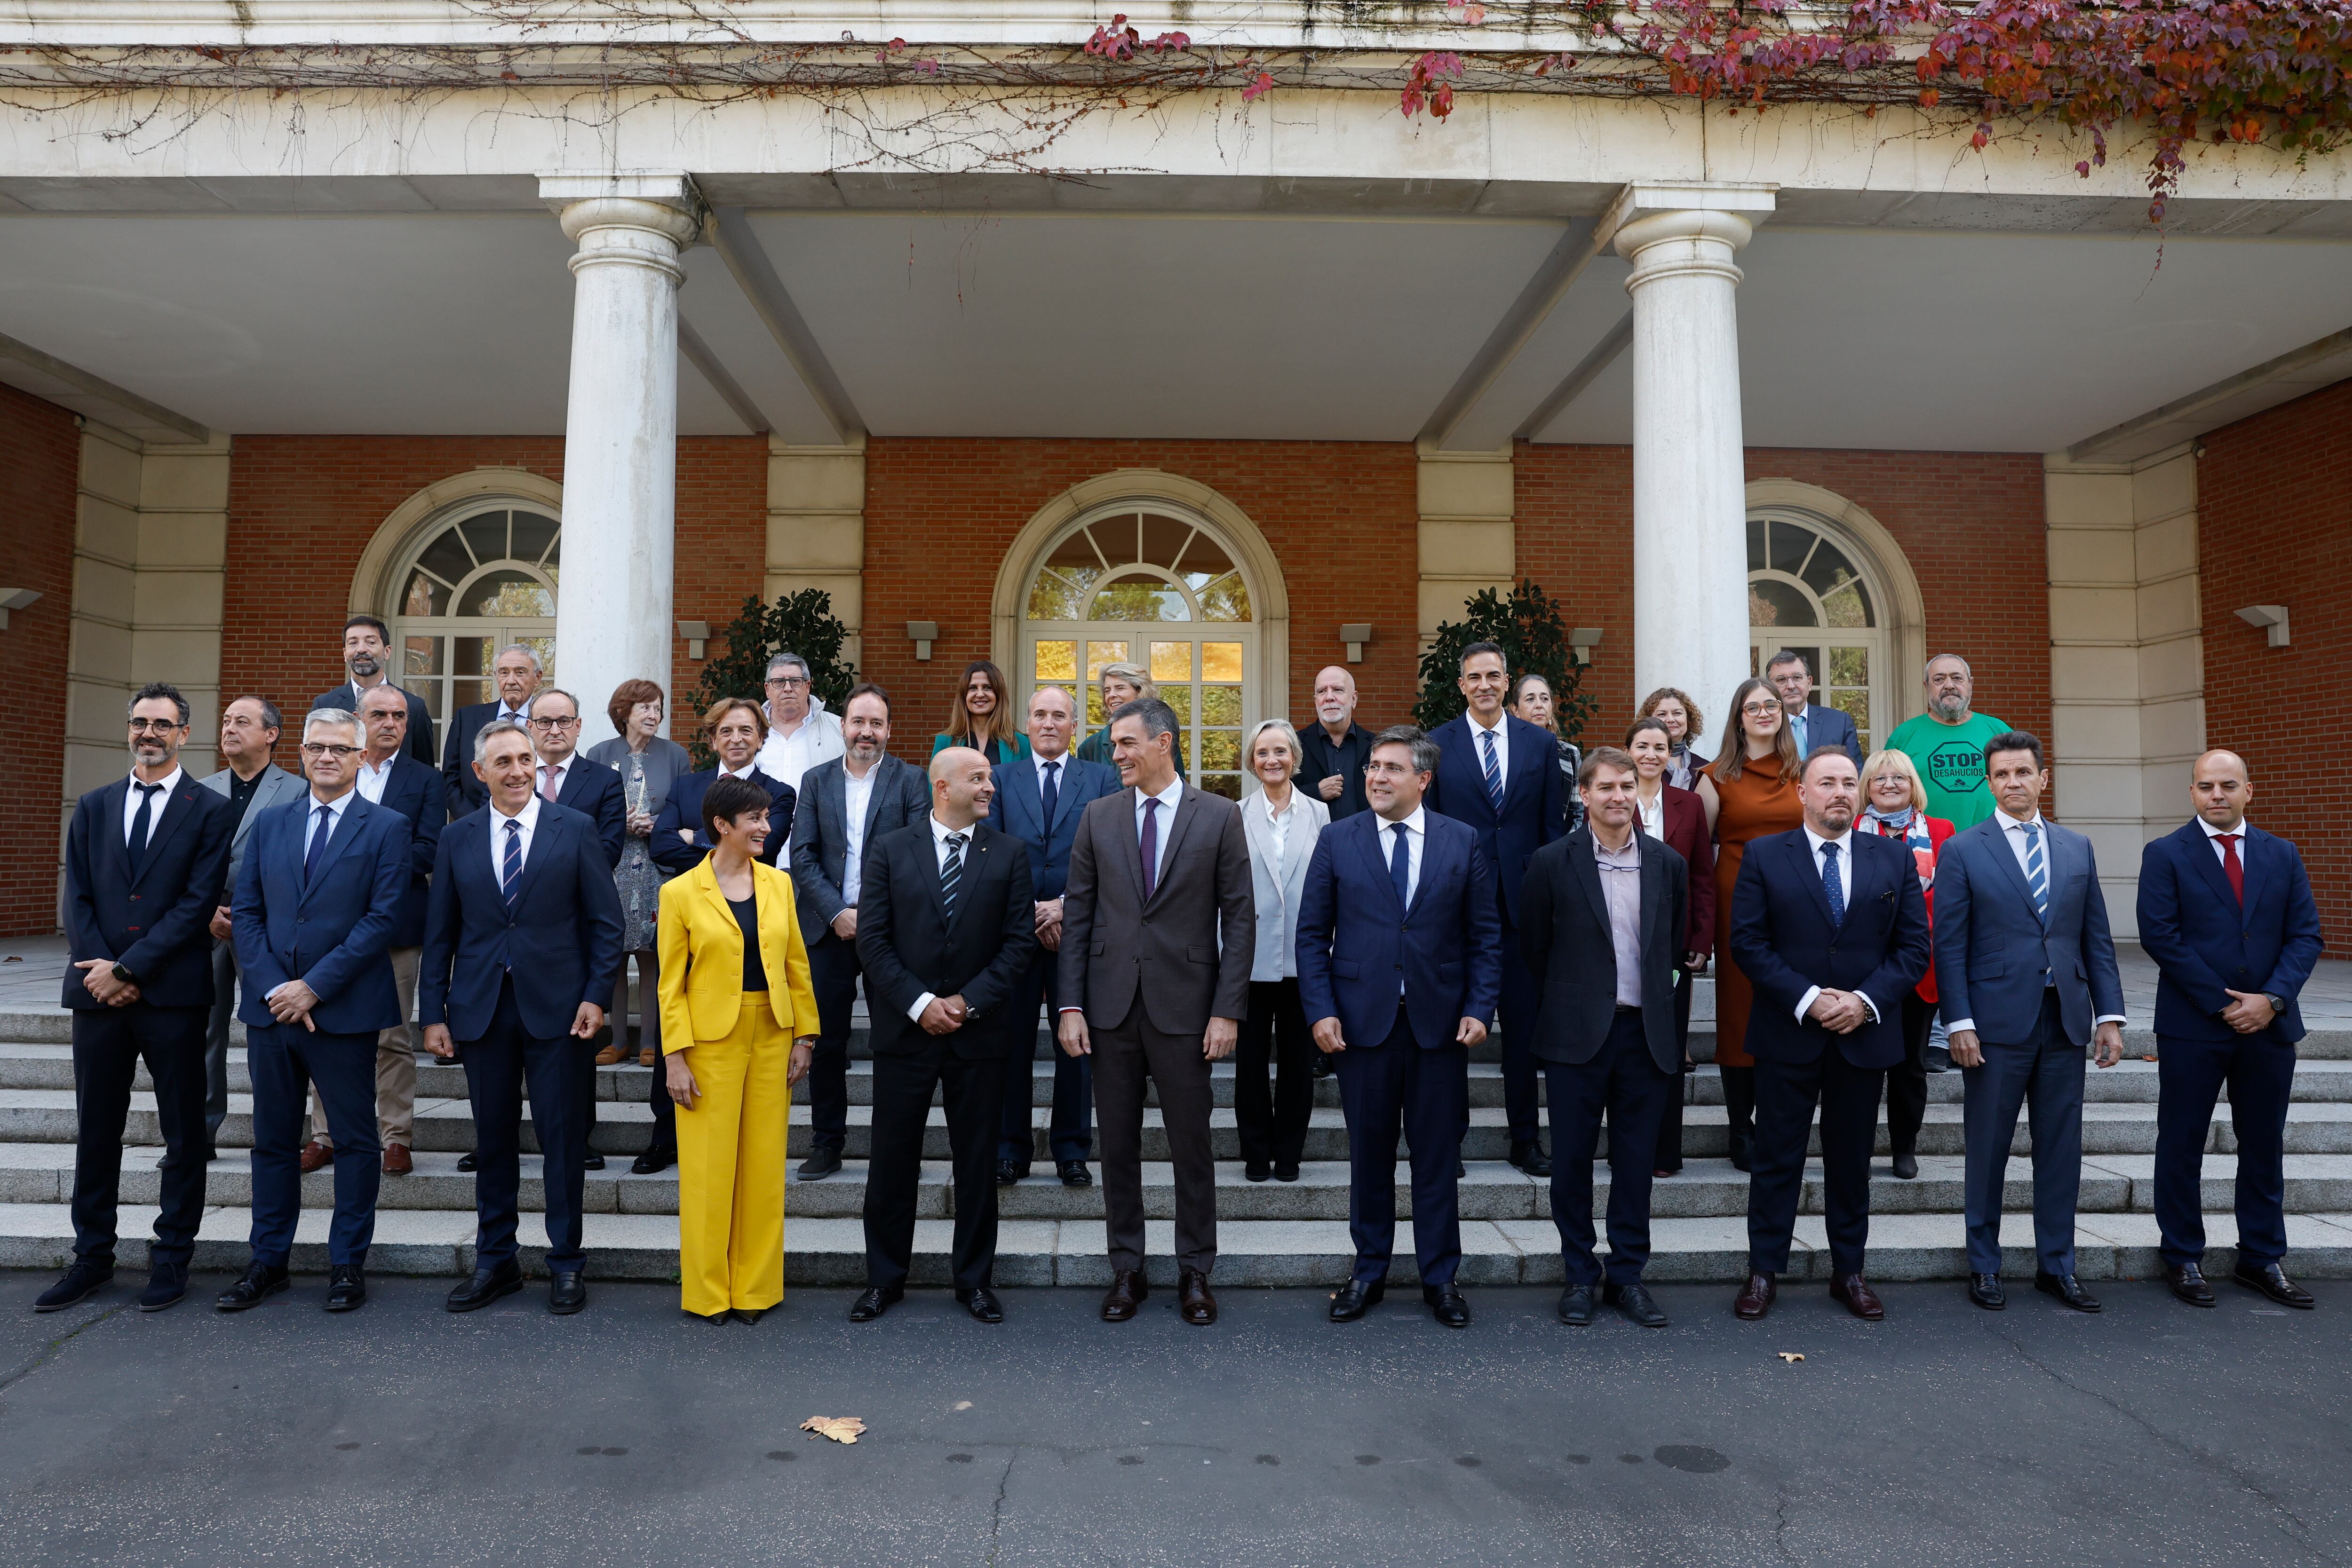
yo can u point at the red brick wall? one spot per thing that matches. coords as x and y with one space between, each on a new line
1343 518
40 464
2274 526
303 507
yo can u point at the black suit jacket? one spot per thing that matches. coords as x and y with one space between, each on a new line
414 792
419 743
594 791
158 923
900 795
1783 941
908 945
682 812
467 792
1565 936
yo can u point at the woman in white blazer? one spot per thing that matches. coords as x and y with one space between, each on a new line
1281 823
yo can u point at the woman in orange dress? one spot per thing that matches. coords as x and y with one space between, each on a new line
1751 791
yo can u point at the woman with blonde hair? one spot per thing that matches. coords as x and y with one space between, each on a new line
739 1026
1672 706
982 717
1121 685
1280 822
1895 806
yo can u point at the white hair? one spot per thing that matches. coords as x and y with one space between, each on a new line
333 719
526 650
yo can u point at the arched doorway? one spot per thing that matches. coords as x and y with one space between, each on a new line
477 577
1826 581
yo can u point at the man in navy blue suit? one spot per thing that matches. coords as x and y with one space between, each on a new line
521 948
515 672
316 899
144 860
1039 800
1400 963
2225 910
1499 776
570 780
367 657
1813 725
1832 929
2025 976
737 726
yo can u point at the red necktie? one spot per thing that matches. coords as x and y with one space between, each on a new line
2233 866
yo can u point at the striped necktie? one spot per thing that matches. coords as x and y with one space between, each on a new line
1494 771
510 865
951 873
2037 874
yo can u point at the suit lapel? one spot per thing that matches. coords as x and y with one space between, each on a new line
1130 845
112 811
1373 847
884 776
976 862
1585 866
2255 882
1171 839
176 808
354 817
1800 851
2006 858
2208 861
1654 897
546 835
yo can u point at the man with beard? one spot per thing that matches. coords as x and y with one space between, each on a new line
367 655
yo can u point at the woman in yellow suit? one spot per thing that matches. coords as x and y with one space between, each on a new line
734 981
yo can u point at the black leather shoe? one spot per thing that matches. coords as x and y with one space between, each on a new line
1128 1289
594 1162
982 1304
1355 1298
2272 1281
467 1162
1985 1290
1460 1170
821 1163
874 1301
1906 1167
486 1286
211 1153
1634 1301
1743 1151
166 1288
1446 1302
567 1292
653 1162
2067 1288
1008 1172
1074 1172
82 1281
346 1287
1936 1059
1755 1298
2187 1282
1286 1170
260 1283
1257 1170
1576 1306
1529 1157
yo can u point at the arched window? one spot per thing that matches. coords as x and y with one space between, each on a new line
1807 592
1159 590
476 578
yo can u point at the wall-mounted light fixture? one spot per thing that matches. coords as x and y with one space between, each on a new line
16 599
696 632
1355 634
1581 642
923 633
2272 617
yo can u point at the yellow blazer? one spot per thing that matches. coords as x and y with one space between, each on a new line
701 950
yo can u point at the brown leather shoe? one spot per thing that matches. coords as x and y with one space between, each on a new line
1755 1298
647 1057
316 1156
609 1055
1126 1294
1193 1303
396 1161
1859 1298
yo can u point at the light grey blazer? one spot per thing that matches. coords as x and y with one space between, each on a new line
1277 899
277 788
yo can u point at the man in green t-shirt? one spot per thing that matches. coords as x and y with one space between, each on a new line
1947 744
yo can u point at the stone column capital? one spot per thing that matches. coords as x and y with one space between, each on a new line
1700 225
641 220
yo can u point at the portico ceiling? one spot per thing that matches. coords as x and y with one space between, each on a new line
1324 326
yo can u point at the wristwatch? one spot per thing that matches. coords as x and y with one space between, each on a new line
124 976
2277 1002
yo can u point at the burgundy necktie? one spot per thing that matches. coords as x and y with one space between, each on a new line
2234 868
1151 847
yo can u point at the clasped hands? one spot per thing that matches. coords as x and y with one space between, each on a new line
1840 1012
1217 1042
97 979
944 1015
1331 1043
2249 1012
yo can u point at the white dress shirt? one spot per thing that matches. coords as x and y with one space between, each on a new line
373 778
2012 831
857 795
1061 779
1502 734
529 818
787 757
2220 850
154 812
939 835
1654 813
1169 798
1277 826
1844 842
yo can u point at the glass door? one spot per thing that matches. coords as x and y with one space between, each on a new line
1201 677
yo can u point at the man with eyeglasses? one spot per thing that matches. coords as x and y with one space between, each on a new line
367 657
516 674
316 901
801 734
251 783
145 858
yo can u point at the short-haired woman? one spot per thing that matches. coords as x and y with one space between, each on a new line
1121 685
648 763
1895 806
1677 819
739 1026
1751 791
983 718
1532 699
1672 706
1281 823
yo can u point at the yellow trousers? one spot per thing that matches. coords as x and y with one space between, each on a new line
731 1166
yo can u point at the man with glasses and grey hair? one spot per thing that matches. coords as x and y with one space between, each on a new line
251 783
801 734
516 672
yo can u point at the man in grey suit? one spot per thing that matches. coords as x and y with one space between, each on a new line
252 784
1160 887
2026 976
1813 725
846 802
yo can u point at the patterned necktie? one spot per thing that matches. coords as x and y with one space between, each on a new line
2232 867
510 865
319 836
951 873
548 789
1494 772
1151 847
1400 866
1051 792
140 826
2037 874
1832 886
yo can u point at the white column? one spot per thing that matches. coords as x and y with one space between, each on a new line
620 433
1690 534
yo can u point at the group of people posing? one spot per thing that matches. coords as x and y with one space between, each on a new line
1375 906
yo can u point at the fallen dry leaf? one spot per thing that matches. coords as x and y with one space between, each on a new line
963 1404
1791 1356
840 1429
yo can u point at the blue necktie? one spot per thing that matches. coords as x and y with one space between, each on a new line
2037 875
326 821
1831 886
1797 729
1400 866
1050 792
140 826
1494 772
510 868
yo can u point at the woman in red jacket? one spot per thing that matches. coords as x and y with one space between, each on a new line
1677 819
1895 806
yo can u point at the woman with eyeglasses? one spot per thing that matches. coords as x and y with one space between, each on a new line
1748 791
1532 700
648 763
982 717
1895 806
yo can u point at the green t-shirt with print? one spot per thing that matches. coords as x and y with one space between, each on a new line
1950 759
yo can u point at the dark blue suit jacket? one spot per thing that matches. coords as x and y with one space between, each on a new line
157 926
684 812
1534 799
1993 956
1020 810
561 941
2204 943
419 741
595 791
1784 942
1831 727
332 935
1356 946
466 792
415 790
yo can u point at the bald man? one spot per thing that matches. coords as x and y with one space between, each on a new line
945 931
1335 747
2225 910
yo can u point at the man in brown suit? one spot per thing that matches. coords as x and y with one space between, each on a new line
1160 915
